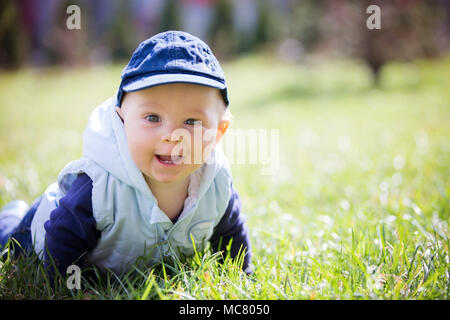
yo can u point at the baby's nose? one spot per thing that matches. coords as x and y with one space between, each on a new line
171 136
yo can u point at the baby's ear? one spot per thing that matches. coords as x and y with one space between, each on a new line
221 129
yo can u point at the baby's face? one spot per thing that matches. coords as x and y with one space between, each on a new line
168 128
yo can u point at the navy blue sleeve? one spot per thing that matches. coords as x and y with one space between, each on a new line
233 226
71 230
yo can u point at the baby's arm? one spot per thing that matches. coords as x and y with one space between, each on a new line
232 226
71 230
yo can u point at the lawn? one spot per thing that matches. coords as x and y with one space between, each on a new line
358 208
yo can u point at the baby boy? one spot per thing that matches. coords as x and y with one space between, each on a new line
152 182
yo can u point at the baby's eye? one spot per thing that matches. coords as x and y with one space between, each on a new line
152 118
193 122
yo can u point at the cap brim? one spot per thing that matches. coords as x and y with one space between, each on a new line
159 79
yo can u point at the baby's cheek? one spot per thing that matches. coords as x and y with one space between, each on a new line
140 150
136 156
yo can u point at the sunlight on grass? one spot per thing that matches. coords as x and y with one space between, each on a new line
359 208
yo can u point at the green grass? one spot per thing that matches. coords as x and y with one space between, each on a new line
359 208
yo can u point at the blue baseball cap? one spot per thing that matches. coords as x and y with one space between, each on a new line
170 57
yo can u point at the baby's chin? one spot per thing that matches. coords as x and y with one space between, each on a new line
169 176
161 178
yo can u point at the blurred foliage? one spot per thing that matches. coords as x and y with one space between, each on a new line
409 29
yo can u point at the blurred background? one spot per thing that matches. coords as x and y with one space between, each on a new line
34 32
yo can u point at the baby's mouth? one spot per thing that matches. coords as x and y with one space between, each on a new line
169 160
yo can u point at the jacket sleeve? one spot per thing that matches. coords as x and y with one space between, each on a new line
71 229
232 226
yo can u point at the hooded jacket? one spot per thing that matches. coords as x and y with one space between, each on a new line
126 213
